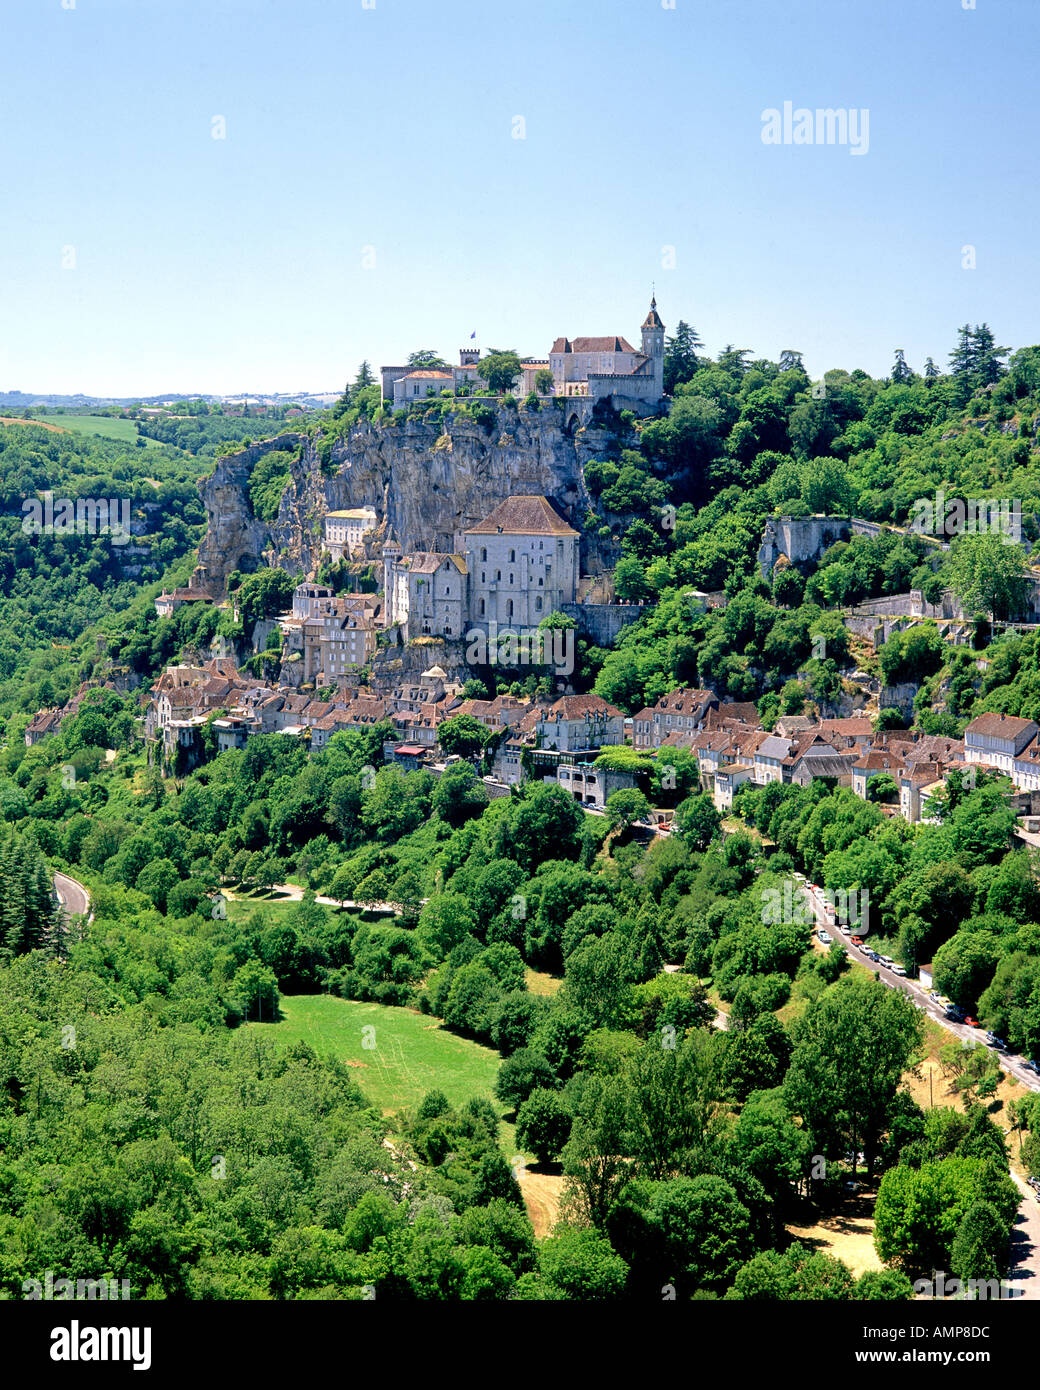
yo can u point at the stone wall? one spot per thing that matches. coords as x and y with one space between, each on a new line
800 539
601 622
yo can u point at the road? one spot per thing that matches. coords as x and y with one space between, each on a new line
1025 1234
73 897
1014 1066
1025 1244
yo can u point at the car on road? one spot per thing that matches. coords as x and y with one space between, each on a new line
857 941
871 955
952 1011
1030 1065
899 970
886 961
824 936
996 1042
972 1022
844 928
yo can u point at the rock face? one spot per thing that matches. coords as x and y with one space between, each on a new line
428 480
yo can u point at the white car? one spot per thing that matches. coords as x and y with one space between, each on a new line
845 929
824 936
898 969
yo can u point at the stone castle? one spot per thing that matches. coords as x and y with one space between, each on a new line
595 368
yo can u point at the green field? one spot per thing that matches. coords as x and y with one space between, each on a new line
102 425
413 1053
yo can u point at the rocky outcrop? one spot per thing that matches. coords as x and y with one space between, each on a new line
427 479
234 538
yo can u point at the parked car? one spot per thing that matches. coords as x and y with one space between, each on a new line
1030 1065
996 1042
952 1011
824 936
844 928
899 970
871 955
886 961
972 1022
857 941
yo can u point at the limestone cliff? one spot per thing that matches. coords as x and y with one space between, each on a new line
427 479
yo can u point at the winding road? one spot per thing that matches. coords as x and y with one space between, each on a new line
1025 1235
73 897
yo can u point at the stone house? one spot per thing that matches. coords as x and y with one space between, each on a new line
579 722
344 530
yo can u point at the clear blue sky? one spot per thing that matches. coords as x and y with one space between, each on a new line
237 264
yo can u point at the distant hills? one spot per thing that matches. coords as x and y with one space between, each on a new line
23 400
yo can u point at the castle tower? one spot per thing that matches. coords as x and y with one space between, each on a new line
391 560
653 344
469 357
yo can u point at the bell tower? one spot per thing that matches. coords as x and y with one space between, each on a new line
653 344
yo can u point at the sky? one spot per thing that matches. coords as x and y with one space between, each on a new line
400 174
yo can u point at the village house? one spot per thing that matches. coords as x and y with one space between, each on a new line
679 710
344 530
1001 741
579 722
167 603
591 786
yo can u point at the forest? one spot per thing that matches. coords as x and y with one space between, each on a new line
689 1066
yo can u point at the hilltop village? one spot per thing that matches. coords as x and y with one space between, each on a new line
515 568
399 657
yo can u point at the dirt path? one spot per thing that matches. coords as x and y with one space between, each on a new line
542 1193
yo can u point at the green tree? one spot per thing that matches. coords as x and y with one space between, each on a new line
543 1124
500 369
844 1099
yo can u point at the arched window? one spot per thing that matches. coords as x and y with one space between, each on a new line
510 614
483 553
512 556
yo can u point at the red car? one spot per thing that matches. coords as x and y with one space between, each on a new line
856 940
972 1022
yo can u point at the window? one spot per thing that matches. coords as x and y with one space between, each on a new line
538 603
498 574
512 556
481 607
510 578
510 612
